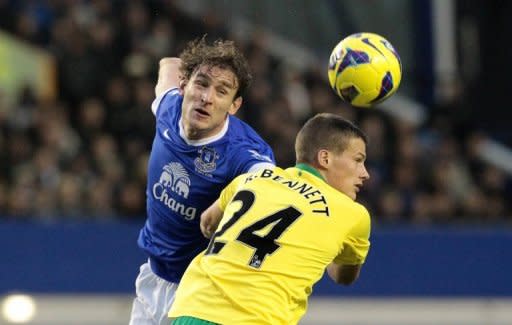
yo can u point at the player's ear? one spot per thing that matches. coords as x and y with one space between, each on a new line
235 105
323 157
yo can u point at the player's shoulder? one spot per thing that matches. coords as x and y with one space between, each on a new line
361 210
247 143
345 204
242 133
168 101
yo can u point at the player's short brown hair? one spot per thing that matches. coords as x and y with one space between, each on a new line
325 131
223 54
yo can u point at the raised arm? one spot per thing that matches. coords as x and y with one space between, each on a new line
169 75
343 274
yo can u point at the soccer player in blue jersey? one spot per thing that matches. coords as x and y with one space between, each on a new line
199 147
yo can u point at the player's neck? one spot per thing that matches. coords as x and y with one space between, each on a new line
194 137
310 169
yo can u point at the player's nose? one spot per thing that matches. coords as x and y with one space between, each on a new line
207 95
365 175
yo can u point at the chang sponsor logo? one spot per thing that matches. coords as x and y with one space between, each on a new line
175 179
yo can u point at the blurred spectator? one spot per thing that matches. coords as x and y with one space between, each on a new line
100 199
84 155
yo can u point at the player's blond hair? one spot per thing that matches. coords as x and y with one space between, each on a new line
325 131
223 54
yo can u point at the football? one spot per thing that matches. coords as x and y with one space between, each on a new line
364 69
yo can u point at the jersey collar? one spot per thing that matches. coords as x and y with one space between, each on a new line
309 169
205 141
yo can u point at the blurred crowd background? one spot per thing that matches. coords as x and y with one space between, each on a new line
82 153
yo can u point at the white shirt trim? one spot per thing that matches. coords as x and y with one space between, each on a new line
202 142
156 102
261 165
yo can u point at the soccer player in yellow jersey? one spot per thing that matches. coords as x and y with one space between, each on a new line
278 231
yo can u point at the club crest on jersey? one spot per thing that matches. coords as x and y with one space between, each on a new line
205 163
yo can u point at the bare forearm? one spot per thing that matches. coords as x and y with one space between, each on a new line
169 75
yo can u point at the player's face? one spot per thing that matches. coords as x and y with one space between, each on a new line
208 98
346 171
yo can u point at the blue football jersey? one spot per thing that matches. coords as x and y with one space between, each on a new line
184 178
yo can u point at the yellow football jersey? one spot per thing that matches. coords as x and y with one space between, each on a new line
280 229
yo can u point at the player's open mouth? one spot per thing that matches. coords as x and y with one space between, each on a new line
201 112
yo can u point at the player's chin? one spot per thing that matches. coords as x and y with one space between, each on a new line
200 123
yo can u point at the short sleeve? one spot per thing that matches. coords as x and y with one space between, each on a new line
356 243
255 158
169 94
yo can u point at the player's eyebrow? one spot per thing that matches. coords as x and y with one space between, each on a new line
227 84
230 85
203 75
223 83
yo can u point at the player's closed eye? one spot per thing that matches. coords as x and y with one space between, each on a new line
201 83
